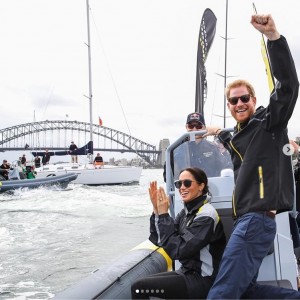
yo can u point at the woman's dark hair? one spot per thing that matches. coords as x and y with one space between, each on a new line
200 177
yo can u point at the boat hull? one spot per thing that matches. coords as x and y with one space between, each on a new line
114 280
87 174
63 180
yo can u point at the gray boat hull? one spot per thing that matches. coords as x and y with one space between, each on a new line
61 180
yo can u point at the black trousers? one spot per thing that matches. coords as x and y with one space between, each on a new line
166 285
171 285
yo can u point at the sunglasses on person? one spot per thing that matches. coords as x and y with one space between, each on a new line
187 183
197 126
244 99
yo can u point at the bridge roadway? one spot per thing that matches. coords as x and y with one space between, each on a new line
14 138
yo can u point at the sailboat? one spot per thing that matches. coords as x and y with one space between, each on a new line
87 173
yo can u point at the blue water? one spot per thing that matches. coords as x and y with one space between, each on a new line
50 239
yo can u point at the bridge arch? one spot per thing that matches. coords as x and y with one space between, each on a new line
15 137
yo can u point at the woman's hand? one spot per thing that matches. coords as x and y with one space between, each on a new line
153 195
163 203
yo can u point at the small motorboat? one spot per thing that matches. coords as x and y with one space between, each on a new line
61 180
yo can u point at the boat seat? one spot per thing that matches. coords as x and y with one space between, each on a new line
13 174
227 220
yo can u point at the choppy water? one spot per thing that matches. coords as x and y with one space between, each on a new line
50 239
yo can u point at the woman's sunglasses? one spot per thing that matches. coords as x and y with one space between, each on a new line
187 183
197 126
244 99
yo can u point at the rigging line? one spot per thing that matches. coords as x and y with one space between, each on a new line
214 101
48 100
110 73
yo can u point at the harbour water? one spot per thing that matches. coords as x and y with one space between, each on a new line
50 239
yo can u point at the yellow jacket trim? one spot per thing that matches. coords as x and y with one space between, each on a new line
261 182
233 205
236 151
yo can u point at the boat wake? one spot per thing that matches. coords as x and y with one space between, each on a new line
38 211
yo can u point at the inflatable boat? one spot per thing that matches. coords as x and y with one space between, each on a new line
62 181
114 281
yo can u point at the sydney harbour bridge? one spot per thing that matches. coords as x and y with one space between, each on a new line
57 135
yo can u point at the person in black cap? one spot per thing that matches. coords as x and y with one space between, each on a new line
203 154
196 119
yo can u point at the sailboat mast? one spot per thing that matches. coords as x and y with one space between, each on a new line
90 96
225 65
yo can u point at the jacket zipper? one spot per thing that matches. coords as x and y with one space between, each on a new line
233 205
261 182
238 153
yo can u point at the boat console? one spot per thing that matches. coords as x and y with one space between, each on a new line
280 266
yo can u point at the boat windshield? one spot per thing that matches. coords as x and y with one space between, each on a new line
210 156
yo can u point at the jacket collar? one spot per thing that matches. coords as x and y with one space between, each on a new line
195 204
240 126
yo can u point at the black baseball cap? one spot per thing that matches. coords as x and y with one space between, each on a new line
195 117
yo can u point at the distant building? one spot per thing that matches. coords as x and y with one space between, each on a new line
163 145
138 161
121 162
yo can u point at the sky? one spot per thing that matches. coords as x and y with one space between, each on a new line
143 61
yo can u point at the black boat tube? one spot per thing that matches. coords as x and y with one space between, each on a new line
114 281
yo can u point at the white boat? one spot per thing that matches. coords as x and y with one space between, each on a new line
87 173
